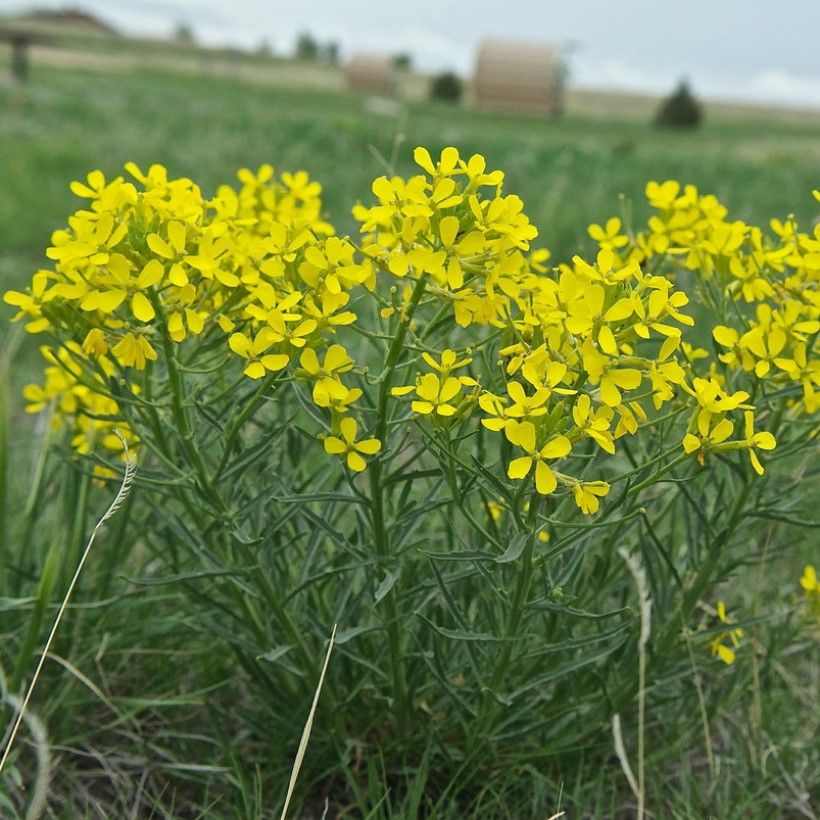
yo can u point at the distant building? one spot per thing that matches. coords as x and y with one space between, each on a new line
371 74
67 20
514 76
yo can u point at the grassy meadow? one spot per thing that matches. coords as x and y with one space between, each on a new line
137 704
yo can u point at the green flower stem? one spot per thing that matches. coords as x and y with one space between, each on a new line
451 476
520 593
694 592
381 537
263 584
221 512
692 595
247 411
653 479
180 412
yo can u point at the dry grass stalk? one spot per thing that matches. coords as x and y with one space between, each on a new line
125 487
300 752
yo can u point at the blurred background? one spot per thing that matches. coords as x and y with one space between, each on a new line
579 102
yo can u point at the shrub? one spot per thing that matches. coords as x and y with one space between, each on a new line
516 488
403 61
307 48
446 87
680 110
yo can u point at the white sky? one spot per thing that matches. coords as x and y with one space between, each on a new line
734 49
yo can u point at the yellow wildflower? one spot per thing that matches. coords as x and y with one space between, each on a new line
350 449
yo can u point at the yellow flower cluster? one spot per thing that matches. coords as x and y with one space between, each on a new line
151 262
727 641
766 284
80 404
439 224
556 362
762 286
584 345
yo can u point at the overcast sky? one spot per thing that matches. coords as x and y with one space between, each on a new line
734 49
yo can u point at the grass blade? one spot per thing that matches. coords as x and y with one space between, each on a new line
300 752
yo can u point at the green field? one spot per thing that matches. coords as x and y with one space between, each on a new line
569 172
144 716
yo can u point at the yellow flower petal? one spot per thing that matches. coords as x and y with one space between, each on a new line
545 480
369 446
606 341
758 467
255 370
142 308
556 448
722 431
355 461
240 344
448 230
159 246
519 467
764 441
110 300
275 361
334 446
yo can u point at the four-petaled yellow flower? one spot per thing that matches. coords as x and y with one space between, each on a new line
523 435
707 433
435 395
587 494
609 235
760 441
133 350
351 450
259 362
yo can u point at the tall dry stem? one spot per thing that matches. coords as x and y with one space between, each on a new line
125 487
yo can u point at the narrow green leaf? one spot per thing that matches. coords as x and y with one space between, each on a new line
386 585
514 550
274 654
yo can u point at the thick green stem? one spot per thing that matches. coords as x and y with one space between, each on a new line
381 538
520 593
247 411
187 432
180 411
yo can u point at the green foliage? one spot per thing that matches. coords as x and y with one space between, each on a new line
403 61
680 109
309 49
306 47
184 34
446 87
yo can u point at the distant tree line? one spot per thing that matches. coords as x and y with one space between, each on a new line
308 48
